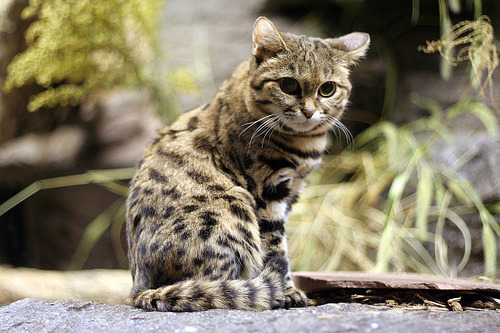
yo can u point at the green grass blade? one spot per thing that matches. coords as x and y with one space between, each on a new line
425 189
485 114
116 232
429 104
490 251
440 246
490 227
384 252
105 178
93 232
20 197
462 226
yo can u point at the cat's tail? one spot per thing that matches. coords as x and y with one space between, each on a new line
266 291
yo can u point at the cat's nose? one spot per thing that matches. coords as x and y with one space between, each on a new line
308 111
308 108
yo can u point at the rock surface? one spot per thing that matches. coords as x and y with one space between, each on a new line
33 315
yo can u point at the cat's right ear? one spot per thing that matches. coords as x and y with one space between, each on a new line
354 45
267 41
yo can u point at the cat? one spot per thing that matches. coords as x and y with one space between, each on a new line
208 204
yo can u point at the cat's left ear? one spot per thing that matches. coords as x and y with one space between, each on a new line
354 45
267 41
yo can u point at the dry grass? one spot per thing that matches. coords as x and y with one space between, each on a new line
474 43
370 208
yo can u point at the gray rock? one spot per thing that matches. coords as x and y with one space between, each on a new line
32 315
126 124
58 149
474 156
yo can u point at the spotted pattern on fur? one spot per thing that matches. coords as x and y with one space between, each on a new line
208 204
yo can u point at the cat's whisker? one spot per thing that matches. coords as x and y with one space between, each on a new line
270 131
347 133
250 124
280 122
258 120
333 127
269 126
337 125
262 127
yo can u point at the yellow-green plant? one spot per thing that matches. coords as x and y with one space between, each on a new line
79 47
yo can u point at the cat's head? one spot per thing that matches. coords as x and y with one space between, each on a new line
301 83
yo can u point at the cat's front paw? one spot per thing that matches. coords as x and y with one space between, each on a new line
295 298
149 300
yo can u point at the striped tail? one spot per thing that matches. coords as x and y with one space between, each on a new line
266 291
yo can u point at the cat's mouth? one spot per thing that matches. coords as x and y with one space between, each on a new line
300 124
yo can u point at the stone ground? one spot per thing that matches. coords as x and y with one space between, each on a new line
33 315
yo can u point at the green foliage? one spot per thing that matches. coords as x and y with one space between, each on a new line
79 47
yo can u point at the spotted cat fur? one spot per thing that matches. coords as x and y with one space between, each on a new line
208 204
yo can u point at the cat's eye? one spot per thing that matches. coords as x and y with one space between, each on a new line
327 89
289 85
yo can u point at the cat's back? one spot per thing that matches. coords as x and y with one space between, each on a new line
181 153
181 202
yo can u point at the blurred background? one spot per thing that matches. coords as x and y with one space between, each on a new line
414 187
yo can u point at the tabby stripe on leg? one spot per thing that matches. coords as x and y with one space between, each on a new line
275 193
229 294
252 293
240 212
266 226
271 288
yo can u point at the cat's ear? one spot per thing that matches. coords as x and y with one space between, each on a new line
267 41
354 45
